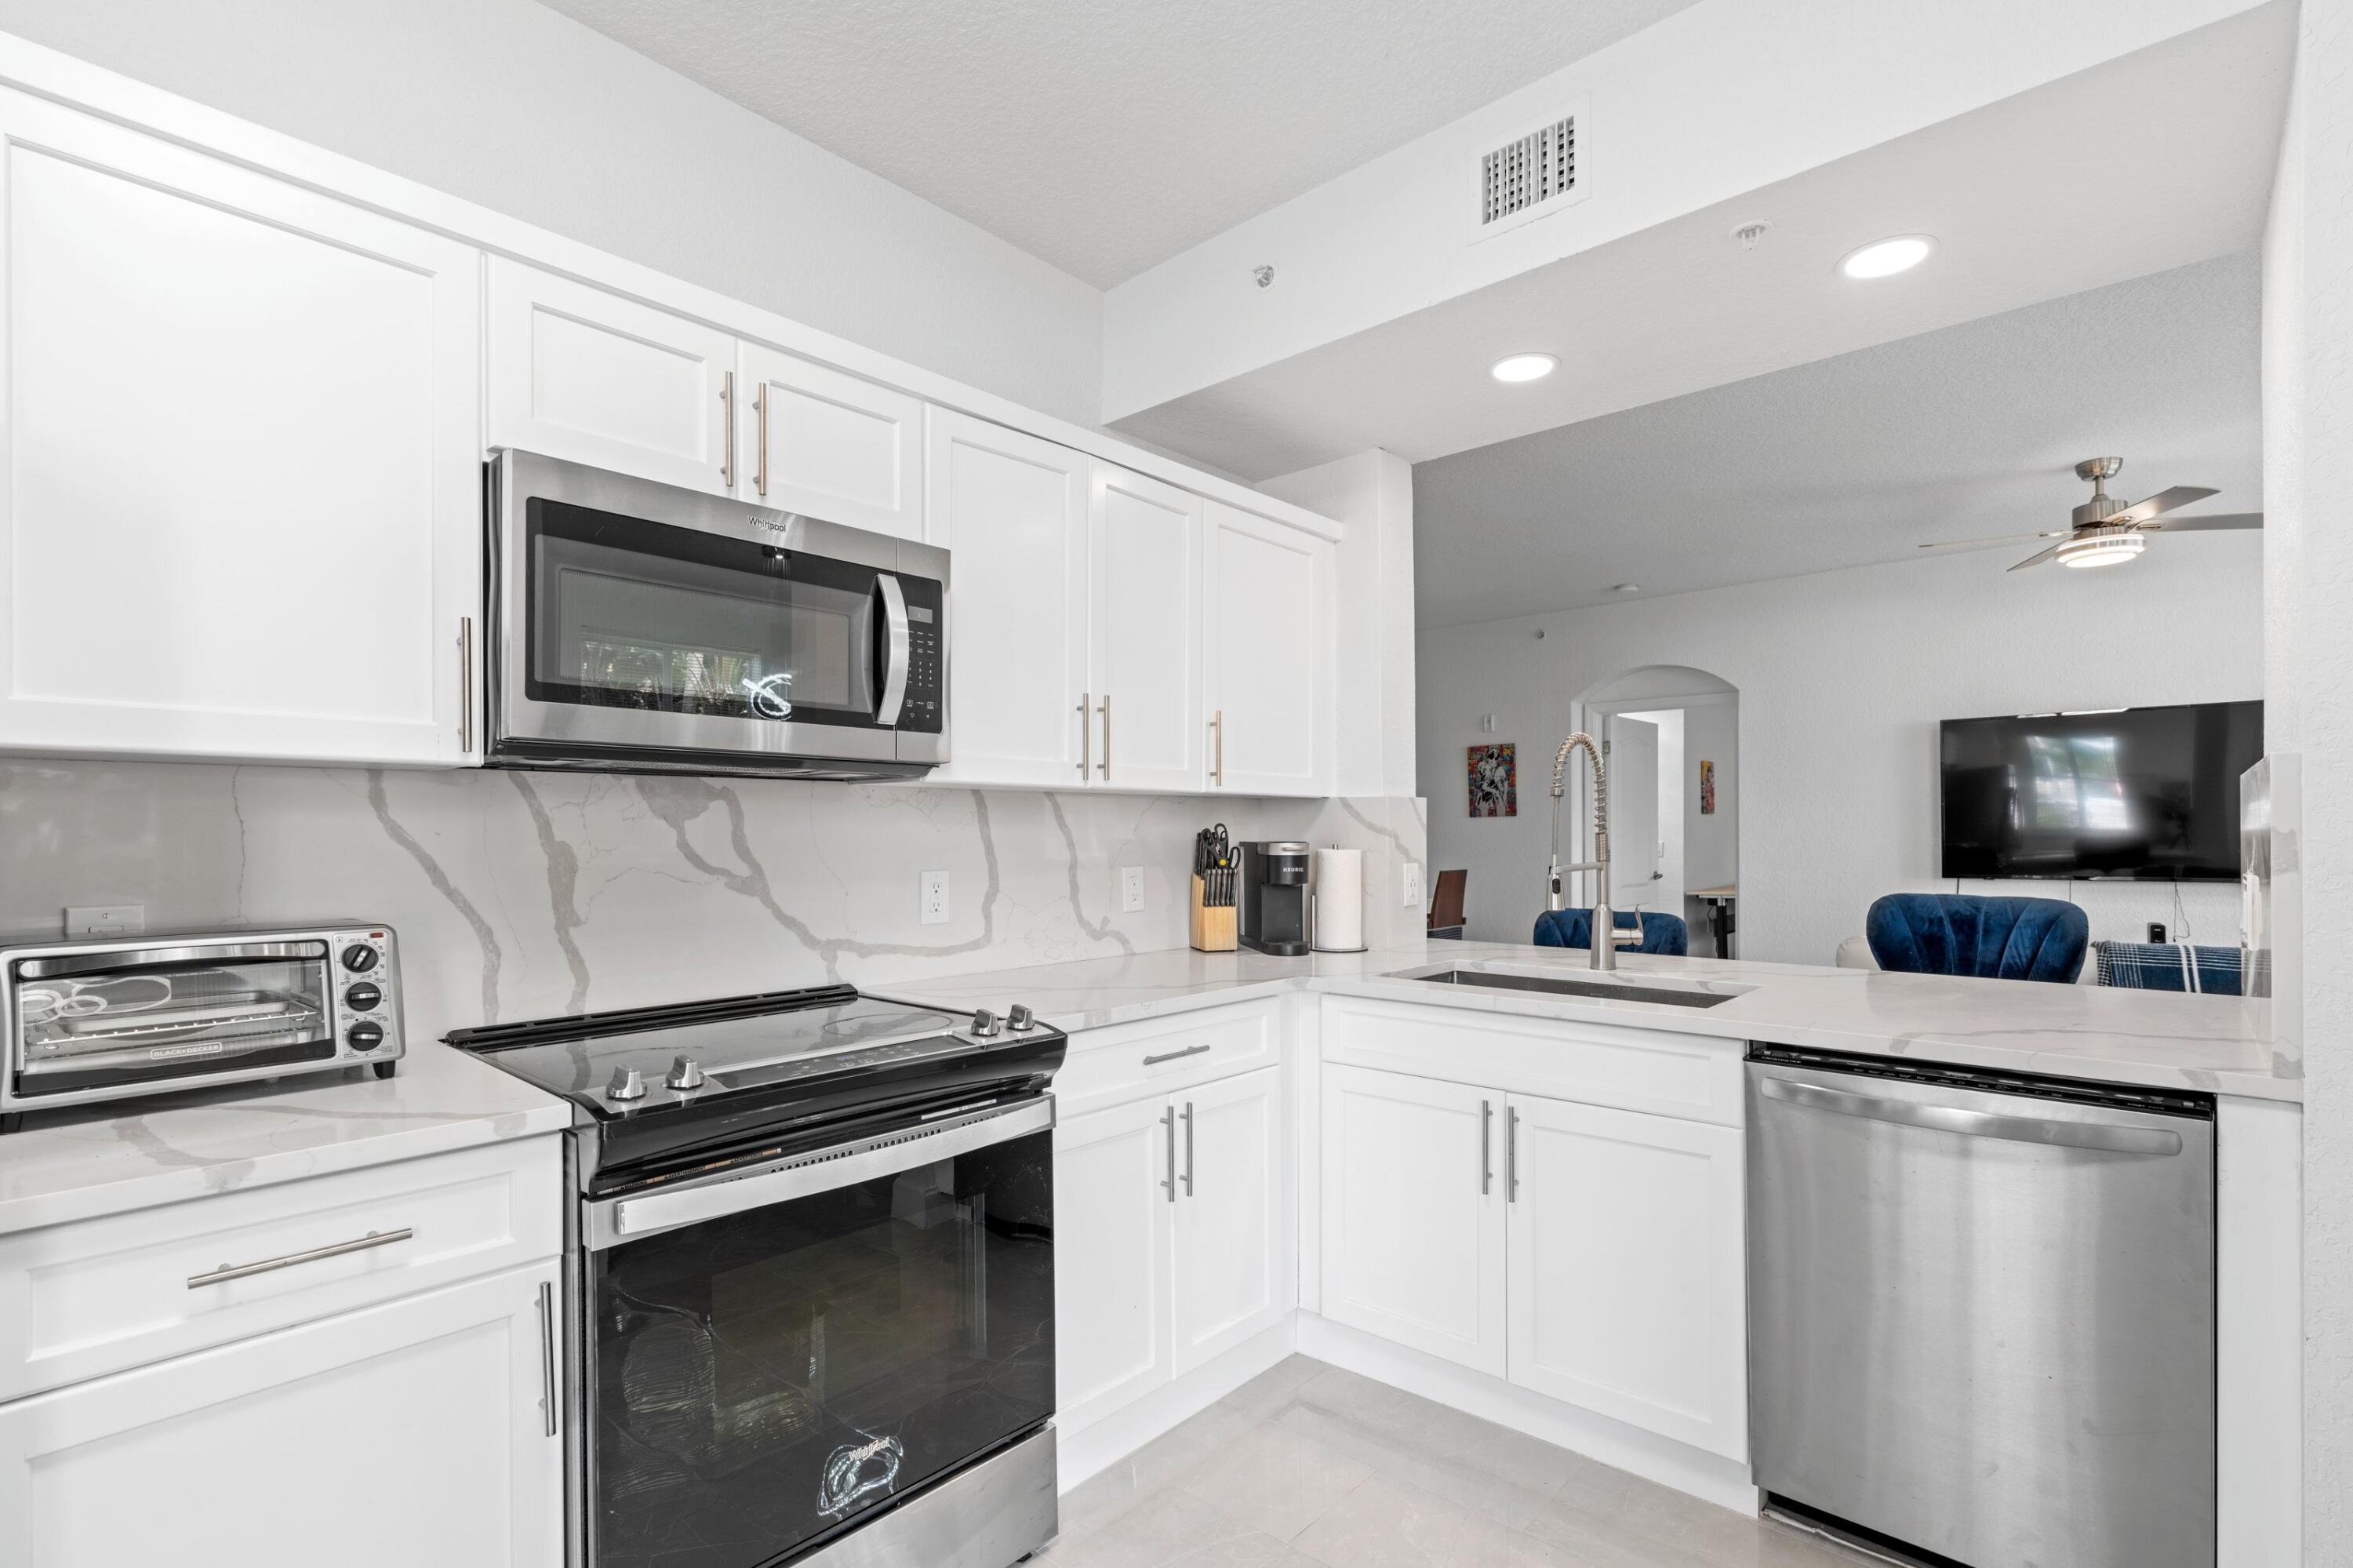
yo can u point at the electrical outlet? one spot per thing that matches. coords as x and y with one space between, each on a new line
2156 931
1412 877
935 898
106 921
1131 889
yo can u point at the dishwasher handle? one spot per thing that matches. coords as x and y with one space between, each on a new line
2104 1136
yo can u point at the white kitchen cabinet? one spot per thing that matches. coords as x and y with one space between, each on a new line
409 1433
1113 1240
243 499
817 442
1268 590
1413 1212
1015 510
592 378
1144 544
1626 1283
1236 1235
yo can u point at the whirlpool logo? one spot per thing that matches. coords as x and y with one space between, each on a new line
858 1471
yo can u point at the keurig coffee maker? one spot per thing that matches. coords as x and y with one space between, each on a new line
1274 898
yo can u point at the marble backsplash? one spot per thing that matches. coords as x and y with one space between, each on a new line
524 895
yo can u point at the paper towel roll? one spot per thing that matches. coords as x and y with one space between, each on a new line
1339 901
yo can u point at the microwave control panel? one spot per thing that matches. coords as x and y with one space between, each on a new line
926 700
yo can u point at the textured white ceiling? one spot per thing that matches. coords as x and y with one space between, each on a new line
1956 434
1106 135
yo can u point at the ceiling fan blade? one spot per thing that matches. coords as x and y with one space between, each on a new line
2036 559
1997 539
2211 520
2163 500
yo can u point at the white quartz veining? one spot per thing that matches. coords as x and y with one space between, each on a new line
80 1163
2222 1044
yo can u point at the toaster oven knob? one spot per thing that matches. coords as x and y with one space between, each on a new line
363 1035
363 997
1021 1020
627 1085
359 958
685 1072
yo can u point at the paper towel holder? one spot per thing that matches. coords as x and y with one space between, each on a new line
1324 857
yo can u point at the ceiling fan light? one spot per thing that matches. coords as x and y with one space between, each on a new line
2101 550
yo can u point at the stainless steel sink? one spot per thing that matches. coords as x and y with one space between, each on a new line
1618 987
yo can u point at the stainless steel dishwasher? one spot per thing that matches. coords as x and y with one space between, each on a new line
1981 1311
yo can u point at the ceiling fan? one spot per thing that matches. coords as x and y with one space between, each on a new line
2104 533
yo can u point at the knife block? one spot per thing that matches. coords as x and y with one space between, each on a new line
1213 926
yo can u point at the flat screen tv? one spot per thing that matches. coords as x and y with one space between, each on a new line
2145 794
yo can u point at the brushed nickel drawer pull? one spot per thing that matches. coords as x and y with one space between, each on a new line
1188 1149
227 1272
547 1353
1168 1125
1173 1055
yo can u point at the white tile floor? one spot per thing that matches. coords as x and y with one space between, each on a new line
1309 1465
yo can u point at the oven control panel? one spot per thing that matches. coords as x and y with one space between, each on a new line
364 972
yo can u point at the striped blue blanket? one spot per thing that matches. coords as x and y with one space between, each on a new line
2168 966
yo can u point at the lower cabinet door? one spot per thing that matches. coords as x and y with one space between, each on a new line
1627 1290
412 1433
1236 1262
1114 1218
1413 1212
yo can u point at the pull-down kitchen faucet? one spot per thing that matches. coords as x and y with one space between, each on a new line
1602 942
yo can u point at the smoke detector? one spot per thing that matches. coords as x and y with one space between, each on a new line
1531 175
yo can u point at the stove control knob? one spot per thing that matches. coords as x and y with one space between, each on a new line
984 1024
1021 1020
627 1085
685 1072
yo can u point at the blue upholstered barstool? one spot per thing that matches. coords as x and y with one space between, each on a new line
1664 934
1993 938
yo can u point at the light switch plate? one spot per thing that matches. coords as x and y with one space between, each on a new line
1131 889
105 920
1410 875
935 898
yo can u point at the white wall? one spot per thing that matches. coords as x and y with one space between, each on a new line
1842 678
528 113
2308 648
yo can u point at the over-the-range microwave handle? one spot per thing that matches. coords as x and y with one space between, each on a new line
897 650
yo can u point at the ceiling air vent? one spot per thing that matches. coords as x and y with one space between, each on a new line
1529 176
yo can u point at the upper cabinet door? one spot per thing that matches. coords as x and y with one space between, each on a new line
1144 544
829 445
1015 509
579 374
1268 591
242 515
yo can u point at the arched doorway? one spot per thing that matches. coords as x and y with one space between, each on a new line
1673 735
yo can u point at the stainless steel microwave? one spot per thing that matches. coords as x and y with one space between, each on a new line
637 627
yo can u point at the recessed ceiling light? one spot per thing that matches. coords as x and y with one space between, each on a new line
2101 550
1886 257
1522 367
1625 588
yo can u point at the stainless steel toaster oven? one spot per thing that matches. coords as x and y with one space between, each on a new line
109 1018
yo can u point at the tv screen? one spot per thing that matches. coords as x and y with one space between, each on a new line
2149 794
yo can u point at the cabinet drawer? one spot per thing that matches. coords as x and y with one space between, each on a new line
1108 1065
80 1300
1695 1078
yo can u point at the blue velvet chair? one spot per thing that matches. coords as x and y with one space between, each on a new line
1993 938
1664 934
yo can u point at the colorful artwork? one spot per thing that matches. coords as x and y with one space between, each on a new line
1706 787
1495 780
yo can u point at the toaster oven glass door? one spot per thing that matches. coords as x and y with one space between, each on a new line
127 1017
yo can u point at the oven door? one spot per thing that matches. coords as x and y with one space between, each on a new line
639 624
774 1357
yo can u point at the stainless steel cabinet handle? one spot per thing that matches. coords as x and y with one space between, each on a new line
1510 1155
1486 1130
1173 1055
547 1353
1086 735
1105 711
227 1272
1188 1149
1168 1125
1217 764
760 474
1977 1124
727 420
465 683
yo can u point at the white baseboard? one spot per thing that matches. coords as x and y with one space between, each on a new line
1098 1446
1645 1454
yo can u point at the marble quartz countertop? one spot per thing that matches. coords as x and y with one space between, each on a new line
2222 1044
78 1164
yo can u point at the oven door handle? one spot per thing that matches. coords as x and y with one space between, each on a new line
613 1221
896 650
